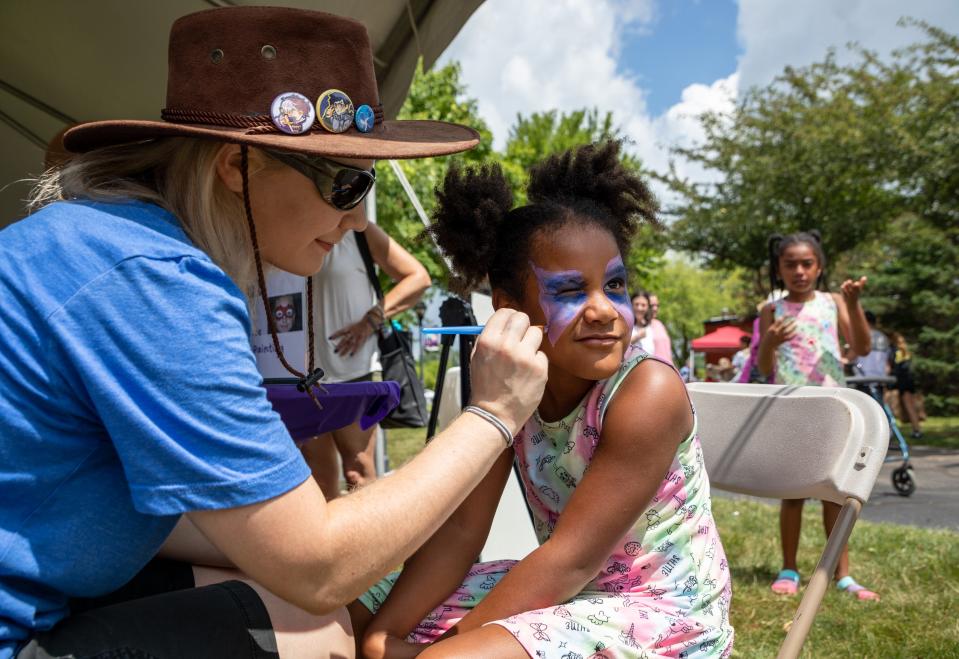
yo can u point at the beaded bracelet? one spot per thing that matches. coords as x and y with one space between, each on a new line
492 418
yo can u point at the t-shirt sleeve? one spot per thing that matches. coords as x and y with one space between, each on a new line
158 350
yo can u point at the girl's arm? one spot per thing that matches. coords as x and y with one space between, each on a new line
321 556
852 319
438 567
774 334
626 470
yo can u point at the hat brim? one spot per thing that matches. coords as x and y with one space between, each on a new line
390 140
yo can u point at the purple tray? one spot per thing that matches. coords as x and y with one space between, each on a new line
343 405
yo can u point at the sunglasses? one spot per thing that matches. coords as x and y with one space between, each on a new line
341 186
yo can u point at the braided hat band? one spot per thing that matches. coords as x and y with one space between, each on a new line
257 124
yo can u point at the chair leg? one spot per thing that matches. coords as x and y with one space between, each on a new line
821 578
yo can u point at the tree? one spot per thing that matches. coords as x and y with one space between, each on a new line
806 152
689 295
437 94
866 153
922 277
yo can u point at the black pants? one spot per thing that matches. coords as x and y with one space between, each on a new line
160 615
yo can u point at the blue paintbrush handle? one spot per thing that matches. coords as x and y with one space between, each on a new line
462 329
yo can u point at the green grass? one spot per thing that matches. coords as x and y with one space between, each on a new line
403 443
916 571
939 431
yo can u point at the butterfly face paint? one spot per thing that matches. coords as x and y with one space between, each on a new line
616 272
562 295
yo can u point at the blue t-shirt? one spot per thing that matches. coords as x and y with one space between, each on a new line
128 395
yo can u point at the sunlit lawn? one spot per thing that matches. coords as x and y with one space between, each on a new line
915 570
941 431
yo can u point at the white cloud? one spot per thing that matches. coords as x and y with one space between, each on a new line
538 55
774 33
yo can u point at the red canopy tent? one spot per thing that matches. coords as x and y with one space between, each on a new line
726 339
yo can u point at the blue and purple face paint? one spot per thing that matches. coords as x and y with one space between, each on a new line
562 295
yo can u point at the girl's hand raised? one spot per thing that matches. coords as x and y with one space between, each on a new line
851 290
781 330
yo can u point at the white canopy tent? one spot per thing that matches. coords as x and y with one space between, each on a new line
64 62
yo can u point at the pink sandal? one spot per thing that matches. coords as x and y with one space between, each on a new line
849 585
786 583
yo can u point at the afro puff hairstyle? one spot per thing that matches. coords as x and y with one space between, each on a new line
475 223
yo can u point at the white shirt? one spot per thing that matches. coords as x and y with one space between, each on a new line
342 294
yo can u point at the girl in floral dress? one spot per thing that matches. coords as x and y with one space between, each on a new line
800 346
630 563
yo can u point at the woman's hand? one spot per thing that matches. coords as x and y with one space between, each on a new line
381 645
508 370
781 330
851 290
352 337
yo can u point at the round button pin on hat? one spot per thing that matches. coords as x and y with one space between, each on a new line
335 111
365 119
292 113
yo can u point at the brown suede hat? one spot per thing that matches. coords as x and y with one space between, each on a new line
227 65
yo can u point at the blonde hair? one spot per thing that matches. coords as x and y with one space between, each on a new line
177 174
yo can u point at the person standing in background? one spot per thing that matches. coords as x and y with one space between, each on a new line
347 316
742 359
801 345
876 362
641 334
662 345
901 360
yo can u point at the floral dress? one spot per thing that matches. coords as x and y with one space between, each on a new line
812 355
665 590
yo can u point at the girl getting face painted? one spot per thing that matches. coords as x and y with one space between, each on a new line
580 296
563 295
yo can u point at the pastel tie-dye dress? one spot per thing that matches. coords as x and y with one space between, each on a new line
812 356
664 592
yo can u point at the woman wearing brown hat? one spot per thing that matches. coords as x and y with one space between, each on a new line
128 391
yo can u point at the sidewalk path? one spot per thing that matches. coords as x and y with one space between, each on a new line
934 504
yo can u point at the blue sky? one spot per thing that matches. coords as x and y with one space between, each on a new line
688 41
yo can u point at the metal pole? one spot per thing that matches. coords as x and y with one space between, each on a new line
419 340
821 578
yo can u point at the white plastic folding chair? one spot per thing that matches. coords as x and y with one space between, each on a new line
791 443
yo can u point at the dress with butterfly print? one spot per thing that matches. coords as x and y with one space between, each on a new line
664 592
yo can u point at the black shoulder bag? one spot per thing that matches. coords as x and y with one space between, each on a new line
396 357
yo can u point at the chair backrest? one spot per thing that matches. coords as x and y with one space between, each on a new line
788 442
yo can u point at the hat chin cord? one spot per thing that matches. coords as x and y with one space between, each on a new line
307 381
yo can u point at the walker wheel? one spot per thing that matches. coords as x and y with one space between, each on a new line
904 481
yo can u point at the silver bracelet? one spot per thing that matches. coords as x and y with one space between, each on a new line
492 418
